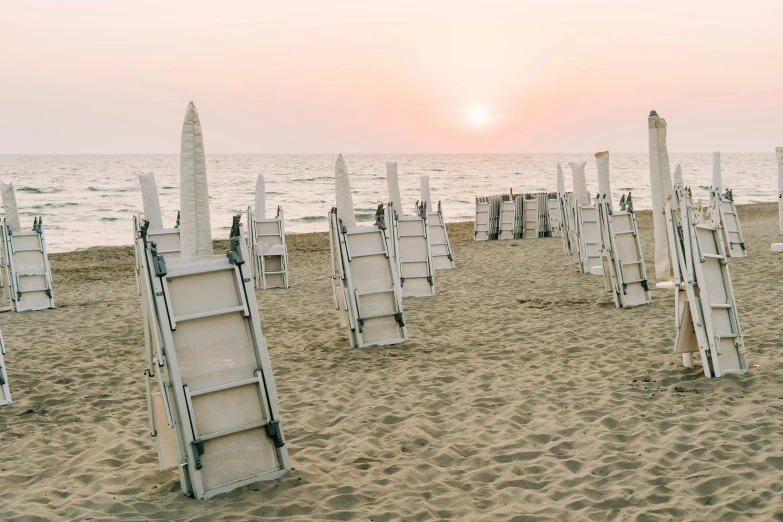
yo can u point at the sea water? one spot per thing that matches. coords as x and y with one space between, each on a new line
88 201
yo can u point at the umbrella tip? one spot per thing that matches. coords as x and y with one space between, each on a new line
653 114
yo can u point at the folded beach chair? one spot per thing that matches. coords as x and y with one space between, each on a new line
730 225
409 241
440 247
530 216
565 207
268 250
27 271
507 215
553 211
366 288
481 231
214 412
589 237
623 263
5 391
410 249
211 362
706 320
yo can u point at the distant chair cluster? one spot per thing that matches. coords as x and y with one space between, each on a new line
516 216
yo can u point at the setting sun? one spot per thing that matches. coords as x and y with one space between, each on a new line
477 114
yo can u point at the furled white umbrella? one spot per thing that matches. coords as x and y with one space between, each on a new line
661 190
580 183
342 193
678 176
604 188
560 180
195 229
149 199
10 208
779 153
716 181
394 187
426 197
260 207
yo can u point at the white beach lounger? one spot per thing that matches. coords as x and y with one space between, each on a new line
368 296
27 271
410 249
408 237
730 225
623 262
566 219
268 250
707 321
216 385
481 227
530 216
5 391
553 211
440 247
507 217
589 237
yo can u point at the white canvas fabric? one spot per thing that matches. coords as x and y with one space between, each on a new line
678 176
560 181
195 229
149 199
9 207
260 208
661 191
426 197
779 153
580 184
716 182
342 193
604 188
394 187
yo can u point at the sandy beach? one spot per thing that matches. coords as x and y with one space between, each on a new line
523 394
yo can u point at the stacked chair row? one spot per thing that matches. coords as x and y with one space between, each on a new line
517 216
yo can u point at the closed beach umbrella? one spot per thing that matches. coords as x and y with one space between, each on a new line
195 230
604 189
678 176
779 153
260 208
716 182
580 184
560 180
149 199
9 207
661 190
394 186
342 193
426 197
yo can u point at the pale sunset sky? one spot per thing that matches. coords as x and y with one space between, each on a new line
115 76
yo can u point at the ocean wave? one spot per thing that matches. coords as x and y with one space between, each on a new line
109 219
310 219
55 205
113 189
34 190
